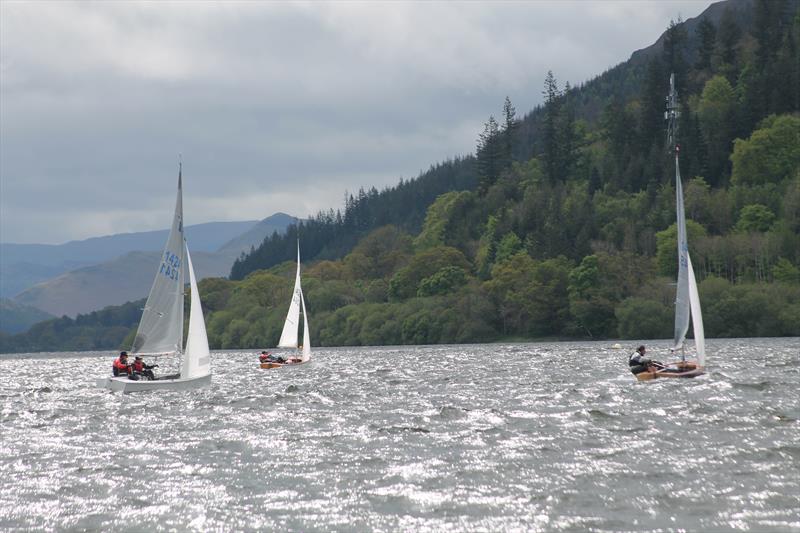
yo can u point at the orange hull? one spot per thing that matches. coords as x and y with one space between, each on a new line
686 369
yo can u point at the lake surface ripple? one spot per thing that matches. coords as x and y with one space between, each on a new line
506 437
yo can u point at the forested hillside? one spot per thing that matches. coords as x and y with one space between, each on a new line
563 223
569 230
99 330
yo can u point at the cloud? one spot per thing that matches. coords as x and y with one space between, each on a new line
274 106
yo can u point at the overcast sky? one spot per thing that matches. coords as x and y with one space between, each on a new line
273 106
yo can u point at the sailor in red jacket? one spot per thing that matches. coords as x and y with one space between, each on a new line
120 366
140 368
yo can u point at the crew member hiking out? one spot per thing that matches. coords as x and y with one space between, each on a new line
120 367
142 369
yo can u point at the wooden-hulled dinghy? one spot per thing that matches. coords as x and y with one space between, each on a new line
687 299
290 333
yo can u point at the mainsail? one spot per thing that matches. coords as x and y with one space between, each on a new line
687 299
682 297
161 327
289 335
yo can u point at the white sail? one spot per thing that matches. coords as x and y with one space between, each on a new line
697 318
682 294
687 298
289 335
161 326
196 358
306 334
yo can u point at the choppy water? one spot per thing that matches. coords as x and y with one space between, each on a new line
531 437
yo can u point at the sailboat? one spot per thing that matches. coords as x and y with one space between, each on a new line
687 299
160 330
290 333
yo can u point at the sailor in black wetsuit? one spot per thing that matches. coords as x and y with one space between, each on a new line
638 363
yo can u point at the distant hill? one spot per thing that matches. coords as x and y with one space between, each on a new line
16 317
24 265
129 276
114 282
255 235
98 330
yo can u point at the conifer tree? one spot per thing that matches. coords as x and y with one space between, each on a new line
726 52
509 131
552 110
489 155
707 37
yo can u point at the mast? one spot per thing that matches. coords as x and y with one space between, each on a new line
671 115
682 297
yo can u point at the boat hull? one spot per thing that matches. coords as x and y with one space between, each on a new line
687 370
281 365
126 385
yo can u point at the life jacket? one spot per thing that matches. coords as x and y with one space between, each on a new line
119 367
138 366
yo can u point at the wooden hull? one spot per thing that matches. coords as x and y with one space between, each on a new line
281 365
125 385
686 369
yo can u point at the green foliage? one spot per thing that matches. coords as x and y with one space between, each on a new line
757 310
378 254
487 248
405 283
771 154
439 218
598 285
755 217
640 318
667 246
98 330
717 121
509 245
786 272
444 281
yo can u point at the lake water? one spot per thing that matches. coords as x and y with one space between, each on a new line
509 437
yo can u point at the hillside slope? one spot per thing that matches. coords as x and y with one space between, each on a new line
24 265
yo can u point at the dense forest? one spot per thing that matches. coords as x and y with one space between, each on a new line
562 225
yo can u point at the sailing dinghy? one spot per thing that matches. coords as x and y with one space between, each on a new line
290 333
160 329
687 299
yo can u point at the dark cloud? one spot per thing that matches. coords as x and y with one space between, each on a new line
274 106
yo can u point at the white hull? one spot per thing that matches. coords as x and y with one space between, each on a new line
126 385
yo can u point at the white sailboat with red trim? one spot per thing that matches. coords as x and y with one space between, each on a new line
160 331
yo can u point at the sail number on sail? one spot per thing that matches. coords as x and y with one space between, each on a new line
170 266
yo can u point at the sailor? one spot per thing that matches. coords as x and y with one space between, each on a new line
121 366
145 370
638 363
267 357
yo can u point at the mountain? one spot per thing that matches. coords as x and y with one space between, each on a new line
114 282
24 265
276 223
16 317
638 84
129 276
